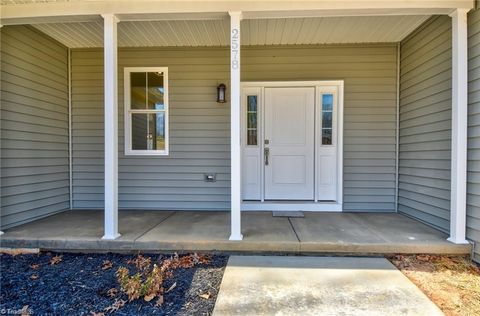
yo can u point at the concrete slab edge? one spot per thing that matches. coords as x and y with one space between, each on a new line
234 247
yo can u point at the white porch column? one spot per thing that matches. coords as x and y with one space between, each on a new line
111 126
458 198
236 231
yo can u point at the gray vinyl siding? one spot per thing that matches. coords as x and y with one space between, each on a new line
34 126
199 127
425 123
199 133
473 165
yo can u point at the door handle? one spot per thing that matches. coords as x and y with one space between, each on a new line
266 153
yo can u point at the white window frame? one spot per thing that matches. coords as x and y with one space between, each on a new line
128 111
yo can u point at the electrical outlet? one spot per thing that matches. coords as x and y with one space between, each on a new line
210 177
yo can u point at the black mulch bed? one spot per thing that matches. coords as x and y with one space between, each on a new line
78 285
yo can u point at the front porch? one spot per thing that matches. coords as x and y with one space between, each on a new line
157 231
404 131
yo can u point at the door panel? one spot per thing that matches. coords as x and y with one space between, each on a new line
289 131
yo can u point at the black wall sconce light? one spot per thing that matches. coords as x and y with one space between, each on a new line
221 93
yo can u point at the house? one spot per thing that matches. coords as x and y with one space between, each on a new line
339 106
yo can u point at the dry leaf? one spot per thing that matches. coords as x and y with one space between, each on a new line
107 264
205 295
55 260
149 297
97 314
112 292
424 257
25 311
34 266
174 285
34 277
159 301
115 306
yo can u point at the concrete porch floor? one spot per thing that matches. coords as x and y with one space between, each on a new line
154 231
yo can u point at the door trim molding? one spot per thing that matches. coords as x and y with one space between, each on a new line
329 206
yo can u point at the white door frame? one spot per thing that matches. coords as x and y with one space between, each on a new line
301 205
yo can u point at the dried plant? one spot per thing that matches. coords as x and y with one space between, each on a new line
147 282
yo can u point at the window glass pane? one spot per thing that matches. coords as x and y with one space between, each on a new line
326 136
148 131
327 102
159 130
252 137
155 91
138 83
252 115
139 131
252 103
252 120
326 119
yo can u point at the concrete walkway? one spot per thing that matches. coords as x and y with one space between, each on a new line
255 285
356 233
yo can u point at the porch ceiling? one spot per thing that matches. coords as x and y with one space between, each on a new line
215 32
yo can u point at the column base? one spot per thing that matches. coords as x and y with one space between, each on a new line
458 242
111 237
238 237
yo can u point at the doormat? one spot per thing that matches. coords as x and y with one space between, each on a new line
288 214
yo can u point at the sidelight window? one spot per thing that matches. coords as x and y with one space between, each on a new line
327 119
252 117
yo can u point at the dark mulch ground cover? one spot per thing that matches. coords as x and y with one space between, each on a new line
77 285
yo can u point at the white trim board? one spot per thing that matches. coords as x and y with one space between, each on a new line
316 204
306 206
66 11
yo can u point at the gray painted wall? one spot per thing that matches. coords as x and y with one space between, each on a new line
34 126
199 127
473 166
425 123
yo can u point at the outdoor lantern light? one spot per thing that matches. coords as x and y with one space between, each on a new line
221 93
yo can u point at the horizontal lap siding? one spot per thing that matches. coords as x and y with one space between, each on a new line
473 166
425 123
34 126
199 133
199 127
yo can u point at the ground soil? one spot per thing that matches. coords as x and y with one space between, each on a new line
77 285
453 283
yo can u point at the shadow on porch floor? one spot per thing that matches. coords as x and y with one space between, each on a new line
352 233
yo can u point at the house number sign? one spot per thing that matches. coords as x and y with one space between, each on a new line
235 47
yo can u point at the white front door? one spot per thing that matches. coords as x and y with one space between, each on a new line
289 143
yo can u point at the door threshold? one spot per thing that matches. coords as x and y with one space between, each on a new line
304 206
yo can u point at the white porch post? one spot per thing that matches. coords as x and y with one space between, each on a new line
458 196
236 231
111 126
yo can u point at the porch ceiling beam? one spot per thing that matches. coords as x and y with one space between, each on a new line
111 127
235 150
458 198
55 12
